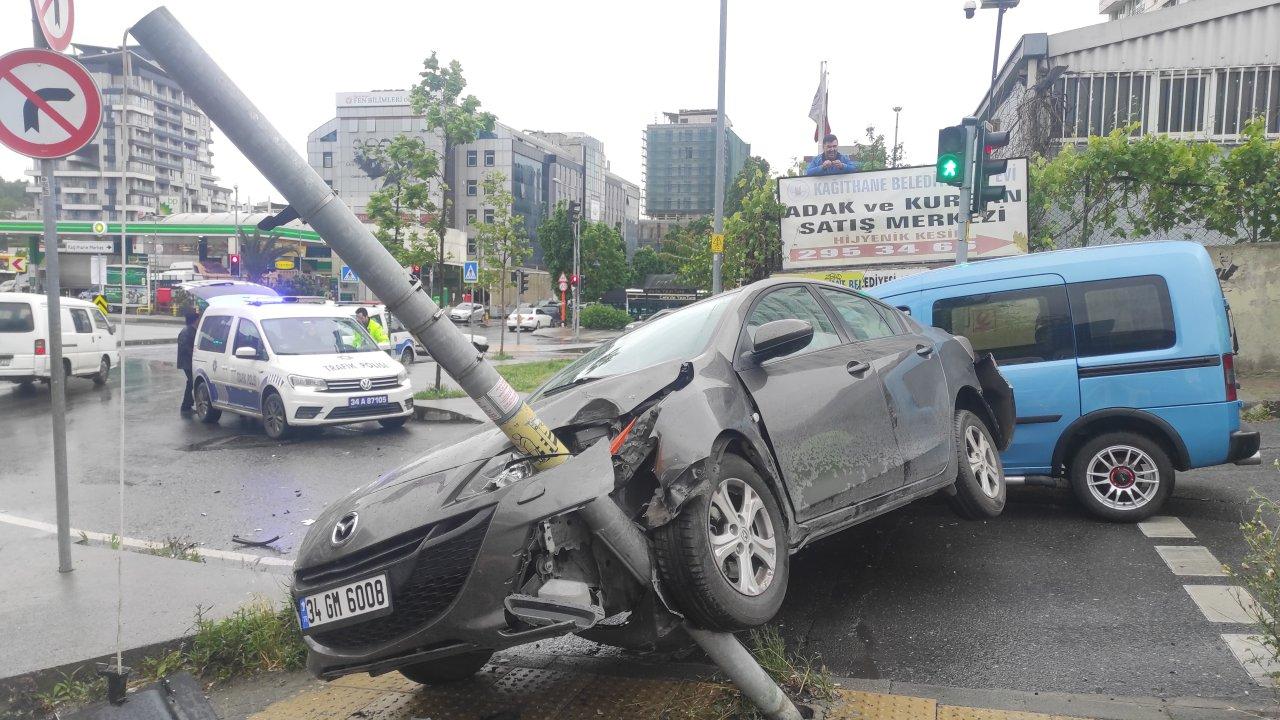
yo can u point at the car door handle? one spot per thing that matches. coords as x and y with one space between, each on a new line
856 367
924 350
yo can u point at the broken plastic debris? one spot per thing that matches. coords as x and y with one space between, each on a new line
308 521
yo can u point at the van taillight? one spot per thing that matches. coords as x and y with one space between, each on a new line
1229 375
40 346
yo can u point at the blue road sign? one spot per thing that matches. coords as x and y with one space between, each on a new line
349 275
470 271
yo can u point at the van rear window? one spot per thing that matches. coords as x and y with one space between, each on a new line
1122 315
15 317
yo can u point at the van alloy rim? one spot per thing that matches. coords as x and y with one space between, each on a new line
742 538
982 461
274 415
1122 477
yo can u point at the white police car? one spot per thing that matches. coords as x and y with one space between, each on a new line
294 364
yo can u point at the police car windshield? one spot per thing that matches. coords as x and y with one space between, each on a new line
317 336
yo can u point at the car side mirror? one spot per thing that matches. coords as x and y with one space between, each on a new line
780 337
247 353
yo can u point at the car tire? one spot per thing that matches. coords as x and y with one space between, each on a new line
205 411
980 485
447 670
275 419
407 357
104 372
1121 476
393 423
703 576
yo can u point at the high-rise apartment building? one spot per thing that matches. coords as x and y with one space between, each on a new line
167 158
680 162
1116 9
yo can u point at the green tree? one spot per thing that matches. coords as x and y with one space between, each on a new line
645 262
398 209
687 250
741 186
500 244
438 96
555 235
1245 202
753 231
258 254
602 260
872 154
13 197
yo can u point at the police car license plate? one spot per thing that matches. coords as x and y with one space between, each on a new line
367 400
348 601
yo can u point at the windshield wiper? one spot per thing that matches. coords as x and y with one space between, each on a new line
571 384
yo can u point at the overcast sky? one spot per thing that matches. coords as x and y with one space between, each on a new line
605 68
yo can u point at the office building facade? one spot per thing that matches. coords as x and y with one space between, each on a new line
167 159
680 161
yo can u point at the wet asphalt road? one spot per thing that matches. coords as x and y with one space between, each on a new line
1041 599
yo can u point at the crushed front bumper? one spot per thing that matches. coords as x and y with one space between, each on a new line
448 579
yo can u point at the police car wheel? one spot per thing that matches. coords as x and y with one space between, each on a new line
406 357
274 417
205 411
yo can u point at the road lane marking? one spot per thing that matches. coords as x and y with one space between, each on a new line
1165 527
1191 560
1226 604
1254 657
138 544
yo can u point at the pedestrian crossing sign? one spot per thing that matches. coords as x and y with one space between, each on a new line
470 271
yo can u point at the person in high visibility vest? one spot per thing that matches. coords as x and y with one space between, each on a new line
375 330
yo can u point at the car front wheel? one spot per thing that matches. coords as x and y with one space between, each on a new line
274 417
980 486
725 557
446 670
1122 476
205 411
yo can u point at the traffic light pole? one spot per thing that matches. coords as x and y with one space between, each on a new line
717 258
966 190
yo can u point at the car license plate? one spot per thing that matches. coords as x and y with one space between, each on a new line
352 600
367 400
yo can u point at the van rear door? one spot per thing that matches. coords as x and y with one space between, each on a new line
17 337
1026 324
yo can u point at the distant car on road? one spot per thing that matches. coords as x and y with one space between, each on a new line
732 432
90 347
1123 357
469 313
529 318
294 364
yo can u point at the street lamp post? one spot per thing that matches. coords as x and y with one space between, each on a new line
893 152
717 258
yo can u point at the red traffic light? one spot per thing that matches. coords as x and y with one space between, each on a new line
234 259
573 279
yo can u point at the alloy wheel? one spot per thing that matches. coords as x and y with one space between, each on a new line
1123 477
202 401
742 537
982 461
273 416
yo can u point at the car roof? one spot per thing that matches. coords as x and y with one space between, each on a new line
267 310
41 298
1073 265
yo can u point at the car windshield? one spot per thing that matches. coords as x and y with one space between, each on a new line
678 336
317 336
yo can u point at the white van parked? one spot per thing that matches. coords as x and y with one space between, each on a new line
90 347
294 364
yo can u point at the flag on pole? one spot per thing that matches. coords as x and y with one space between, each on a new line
818 109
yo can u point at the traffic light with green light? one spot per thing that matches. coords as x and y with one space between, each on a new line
989 140
951 156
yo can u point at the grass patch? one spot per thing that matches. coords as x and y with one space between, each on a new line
1259 572
1258 413
502 356
177 549
259 637
440 393
526 377
804 679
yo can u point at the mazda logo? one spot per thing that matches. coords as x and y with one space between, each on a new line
345 528
365 384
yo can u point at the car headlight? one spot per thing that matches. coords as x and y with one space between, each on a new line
513 473
301 381
402 376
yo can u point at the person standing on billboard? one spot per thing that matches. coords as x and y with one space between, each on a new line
831 161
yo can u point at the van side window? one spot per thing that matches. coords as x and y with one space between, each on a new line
16 317
213 333
81 320
1122 315
394 324
1017 326
247 335
101 320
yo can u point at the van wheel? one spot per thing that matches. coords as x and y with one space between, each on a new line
275 419
205 411
104 372
725 557
66 368
1122 476
980 486
406 357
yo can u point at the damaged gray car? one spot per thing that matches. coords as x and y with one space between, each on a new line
733 432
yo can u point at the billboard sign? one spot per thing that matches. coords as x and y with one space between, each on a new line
379 98
892 217
864 279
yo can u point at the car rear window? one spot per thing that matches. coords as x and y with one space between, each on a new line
15 317
1017 326
1122 315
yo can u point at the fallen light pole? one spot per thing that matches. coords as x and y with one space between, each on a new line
232 111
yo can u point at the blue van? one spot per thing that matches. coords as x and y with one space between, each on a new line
1121 358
